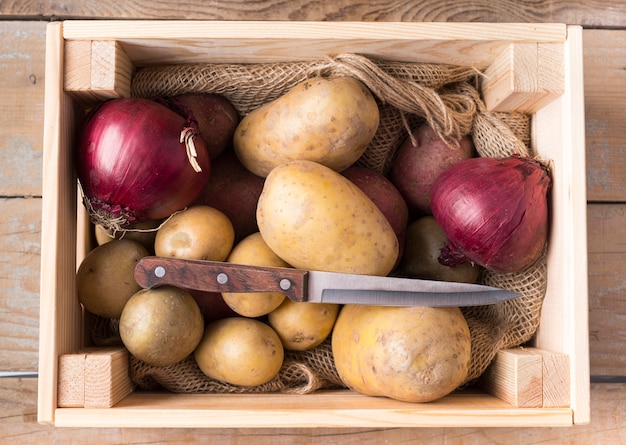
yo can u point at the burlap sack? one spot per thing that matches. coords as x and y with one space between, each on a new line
444 96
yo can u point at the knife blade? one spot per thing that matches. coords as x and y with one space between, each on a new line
313 286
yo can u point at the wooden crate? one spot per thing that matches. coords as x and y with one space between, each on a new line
535 68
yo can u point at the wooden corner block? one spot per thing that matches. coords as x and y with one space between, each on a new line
71 381
111 69
515 376
96 70
107 380
556 378
77 72
93 378
525 77
529 377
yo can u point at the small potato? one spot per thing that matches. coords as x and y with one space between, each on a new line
314 218
198 232
413 354
144 233
216 117
212 305
253 251
424 241
303 326
240 351
105 279
161 326
327 120
418 165
385 195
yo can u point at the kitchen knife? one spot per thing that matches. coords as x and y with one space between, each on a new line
313 286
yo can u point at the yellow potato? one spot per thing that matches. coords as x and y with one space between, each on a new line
240 351
161 326
413 354
105 280
253 251
199 232
303 326
143 232
314 218
330 121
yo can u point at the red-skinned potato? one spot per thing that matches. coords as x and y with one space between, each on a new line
418 165
212 305
235 191
216 117
386 197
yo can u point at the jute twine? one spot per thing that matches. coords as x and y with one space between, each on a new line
408 94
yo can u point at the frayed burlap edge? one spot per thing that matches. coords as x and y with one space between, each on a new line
302 372
408 94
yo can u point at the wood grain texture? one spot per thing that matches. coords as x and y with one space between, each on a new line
588 13
21 107
607 299
605 99
20 230
18 424
21 61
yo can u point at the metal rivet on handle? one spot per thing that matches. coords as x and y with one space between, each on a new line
222 278
159 271
284 284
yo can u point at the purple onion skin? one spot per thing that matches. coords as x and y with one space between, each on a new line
494 212
131 164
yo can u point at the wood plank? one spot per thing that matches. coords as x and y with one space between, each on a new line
21 123
20 231
18 420
598 13
605 96
21 107
607 299
466 44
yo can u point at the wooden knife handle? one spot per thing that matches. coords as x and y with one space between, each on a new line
216 276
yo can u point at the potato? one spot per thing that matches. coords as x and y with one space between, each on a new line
424 241
105 279
416 167
235 191
302 326
413 354
240 351
212 305
161 326
315 218
144 233
253 251
385 195
198 232
329 121
216 117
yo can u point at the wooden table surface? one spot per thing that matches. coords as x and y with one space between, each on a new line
22 32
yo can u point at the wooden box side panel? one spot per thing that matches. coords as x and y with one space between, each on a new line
60 312
559 135
163 42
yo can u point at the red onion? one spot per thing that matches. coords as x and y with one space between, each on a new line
137 160
494 212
